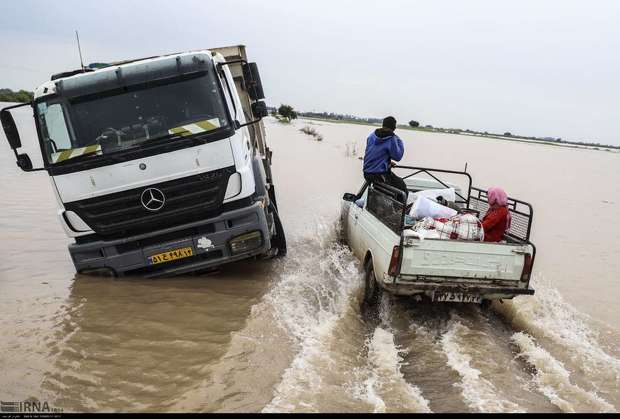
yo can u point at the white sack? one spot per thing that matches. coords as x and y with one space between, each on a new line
424 207
449 194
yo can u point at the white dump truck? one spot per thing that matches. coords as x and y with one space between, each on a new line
403 263
160 165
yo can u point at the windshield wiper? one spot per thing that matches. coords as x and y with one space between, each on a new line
165 140
151 142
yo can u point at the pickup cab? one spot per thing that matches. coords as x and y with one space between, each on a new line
402 263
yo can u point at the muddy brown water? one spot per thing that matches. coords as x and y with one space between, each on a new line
288 335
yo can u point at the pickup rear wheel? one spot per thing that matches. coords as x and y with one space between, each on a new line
485 305
372 290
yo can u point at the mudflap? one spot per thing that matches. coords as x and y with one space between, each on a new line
279 239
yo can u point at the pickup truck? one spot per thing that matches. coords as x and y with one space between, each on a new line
401 263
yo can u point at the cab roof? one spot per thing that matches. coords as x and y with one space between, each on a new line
124 73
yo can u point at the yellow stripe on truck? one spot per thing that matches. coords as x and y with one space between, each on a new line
209 125
196 127
179 131
74 152
92 148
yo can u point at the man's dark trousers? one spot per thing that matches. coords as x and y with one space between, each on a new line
387 177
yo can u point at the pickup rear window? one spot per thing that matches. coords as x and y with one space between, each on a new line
388 210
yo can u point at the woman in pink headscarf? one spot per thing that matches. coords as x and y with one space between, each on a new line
497 219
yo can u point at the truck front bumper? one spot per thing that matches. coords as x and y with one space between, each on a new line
209 240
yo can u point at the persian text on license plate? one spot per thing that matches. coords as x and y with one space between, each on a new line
171 255
455 297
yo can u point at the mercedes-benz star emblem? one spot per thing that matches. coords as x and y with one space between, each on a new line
153 199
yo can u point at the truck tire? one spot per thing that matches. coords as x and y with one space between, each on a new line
372 290
485 305
278 241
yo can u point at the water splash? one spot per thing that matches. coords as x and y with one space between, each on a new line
478 392
309 301
387 379
553 380
558 325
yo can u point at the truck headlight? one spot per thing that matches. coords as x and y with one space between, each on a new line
74 222
246 242
234 186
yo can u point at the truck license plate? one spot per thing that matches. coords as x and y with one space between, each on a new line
171 255
455 297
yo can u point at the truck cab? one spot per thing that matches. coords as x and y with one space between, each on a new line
159 165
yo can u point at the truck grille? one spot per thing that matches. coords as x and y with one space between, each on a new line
187 199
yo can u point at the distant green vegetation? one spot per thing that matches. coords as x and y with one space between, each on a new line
415 125
7 95
287 112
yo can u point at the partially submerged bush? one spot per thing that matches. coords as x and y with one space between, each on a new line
312 132
309 130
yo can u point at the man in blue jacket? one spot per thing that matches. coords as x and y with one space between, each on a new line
383 146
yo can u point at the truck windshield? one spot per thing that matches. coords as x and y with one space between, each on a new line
132 118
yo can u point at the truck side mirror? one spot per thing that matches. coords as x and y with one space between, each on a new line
349 197
10 129
252 81
259 109
24 162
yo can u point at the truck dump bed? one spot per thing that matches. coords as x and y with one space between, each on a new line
236 54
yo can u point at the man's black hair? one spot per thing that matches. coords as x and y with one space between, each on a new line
389 122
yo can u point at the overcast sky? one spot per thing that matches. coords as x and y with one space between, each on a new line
544 68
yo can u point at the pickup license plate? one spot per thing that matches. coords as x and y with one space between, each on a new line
171 255
455 297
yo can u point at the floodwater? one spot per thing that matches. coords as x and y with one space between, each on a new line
288 335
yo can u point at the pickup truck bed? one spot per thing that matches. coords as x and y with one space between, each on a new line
442 270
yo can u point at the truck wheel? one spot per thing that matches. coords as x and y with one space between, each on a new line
278 241
485 305
372 290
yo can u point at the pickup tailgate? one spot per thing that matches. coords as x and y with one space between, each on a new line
446 260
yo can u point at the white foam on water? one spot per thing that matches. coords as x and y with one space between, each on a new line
381 383
547 315
363 388
553 380
302 307
387 381
478 393
308 304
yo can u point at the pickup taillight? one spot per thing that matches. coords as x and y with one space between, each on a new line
527 267
393 269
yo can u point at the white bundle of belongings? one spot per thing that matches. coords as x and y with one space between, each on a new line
457 227
449 194
425 207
